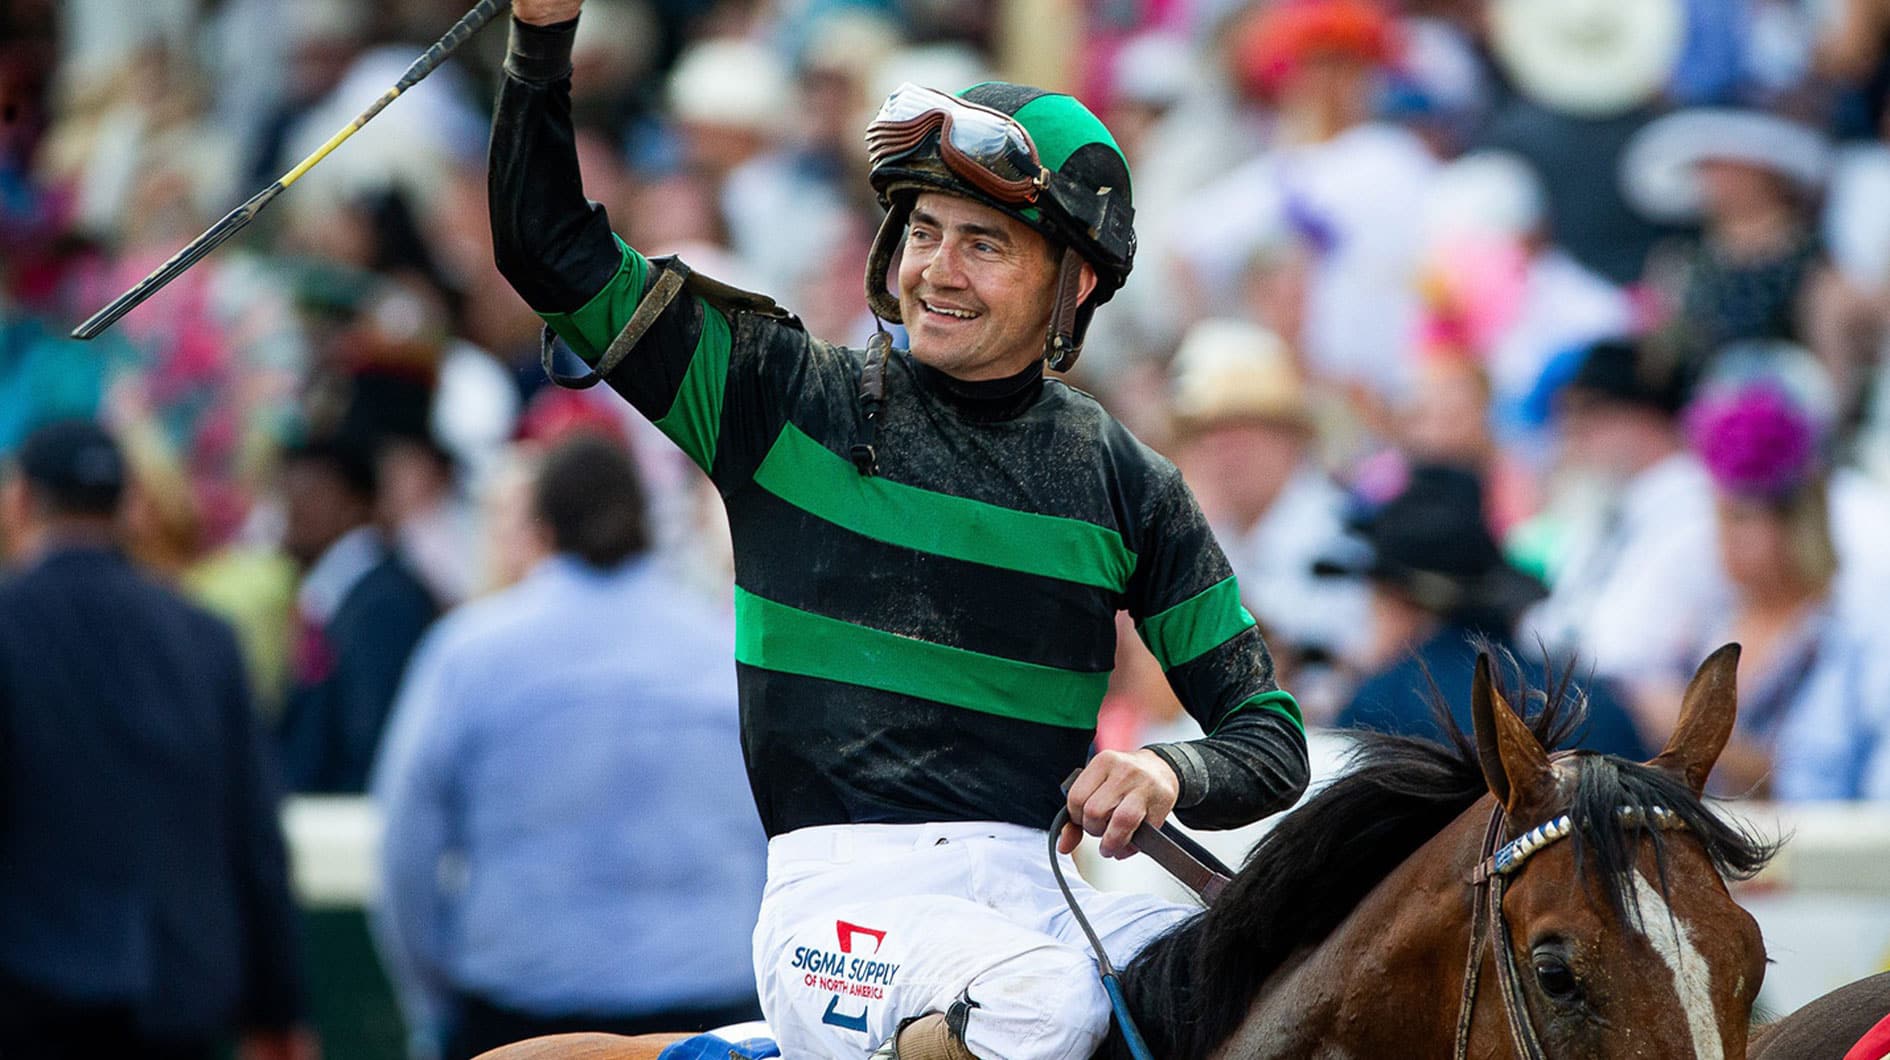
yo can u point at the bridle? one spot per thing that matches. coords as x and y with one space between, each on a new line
1491 877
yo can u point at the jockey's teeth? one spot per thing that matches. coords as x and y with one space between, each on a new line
961 314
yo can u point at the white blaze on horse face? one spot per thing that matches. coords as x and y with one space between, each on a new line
1692 979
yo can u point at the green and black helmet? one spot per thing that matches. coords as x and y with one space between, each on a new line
1041 157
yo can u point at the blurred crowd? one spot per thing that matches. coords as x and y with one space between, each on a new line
1558 324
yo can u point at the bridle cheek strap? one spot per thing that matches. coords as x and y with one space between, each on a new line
1508 980
1473 964
1487 921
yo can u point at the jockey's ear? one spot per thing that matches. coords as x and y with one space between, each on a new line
1515 765
1706 720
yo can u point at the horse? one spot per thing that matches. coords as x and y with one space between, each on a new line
1481 897
1827 1026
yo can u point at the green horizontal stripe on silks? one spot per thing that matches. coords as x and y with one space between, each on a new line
694 418
1279 702
821 482
1197 625
775 636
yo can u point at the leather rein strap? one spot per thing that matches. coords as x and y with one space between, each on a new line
1181 857
1185 860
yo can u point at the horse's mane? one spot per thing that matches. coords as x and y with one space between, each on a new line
1191 988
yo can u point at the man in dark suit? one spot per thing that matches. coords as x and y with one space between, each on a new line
360 611
144 898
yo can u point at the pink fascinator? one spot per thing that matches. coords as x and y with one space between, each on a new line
1755 440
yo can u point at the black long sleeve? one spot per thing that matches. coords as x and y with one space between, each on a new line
552 244
1253 765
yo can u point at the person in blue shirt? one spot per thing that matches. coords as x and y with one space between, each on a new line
1442 591
569 845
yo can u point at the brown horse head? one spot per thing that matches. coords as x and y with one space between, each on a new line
1349 932
1624 938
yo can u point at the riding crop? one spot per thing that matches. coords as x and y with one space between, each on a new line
238 219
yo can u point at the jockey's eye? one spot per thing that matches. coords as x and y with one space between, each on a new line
1555 977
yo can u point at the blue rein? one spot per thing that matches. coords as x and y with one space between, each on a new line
1111 984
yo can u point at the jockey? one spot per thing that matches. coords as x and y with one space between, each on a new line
931 548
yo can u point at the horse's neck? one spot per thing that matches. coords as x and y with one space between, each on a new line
1355 993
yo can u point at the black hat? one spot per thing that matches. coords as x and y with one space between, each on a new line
1432 542
350 458
76 465
1646 373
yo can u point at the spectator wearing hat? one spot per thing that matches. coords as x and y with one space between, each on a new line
1759 270
144 897
527 723
1634 573
1245 439
359 612
1588 75
1342 185
1814 677
1440 592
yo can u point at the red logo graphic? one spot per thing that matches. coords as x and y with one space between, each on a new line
847 931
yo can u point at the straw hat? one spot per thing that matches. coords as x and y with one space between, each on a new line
1658 167
1236 370
1593 58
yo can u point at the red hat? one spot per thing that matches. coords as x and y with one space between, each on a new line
1288 33
553 414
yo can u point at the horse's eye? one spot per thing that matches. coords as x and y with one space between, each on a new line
1555 977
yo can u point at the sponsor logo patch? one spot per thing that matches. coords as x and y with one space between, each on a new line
851 973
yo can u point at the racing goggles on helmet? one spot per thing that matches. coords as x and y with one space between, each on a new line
985 148
993 154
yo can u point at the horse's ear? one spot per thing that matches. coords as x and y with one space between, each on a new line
1707 713
1515 765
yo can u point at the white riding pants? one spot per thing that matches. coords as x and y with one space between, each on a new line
862 926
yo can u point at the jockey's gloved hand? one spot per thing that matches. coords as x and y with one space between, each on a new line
928 1037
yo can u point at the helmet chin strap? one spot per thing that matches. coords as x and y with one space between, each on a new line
879 261
1064 344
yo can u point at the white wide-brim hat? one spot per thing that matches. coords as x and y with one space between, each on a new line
732 83
1659 169
1592 58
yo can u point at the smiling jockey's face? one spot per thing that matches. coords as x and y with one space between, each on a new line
975 288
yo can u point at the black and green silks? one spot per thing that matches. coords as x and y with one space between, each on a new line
931 643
